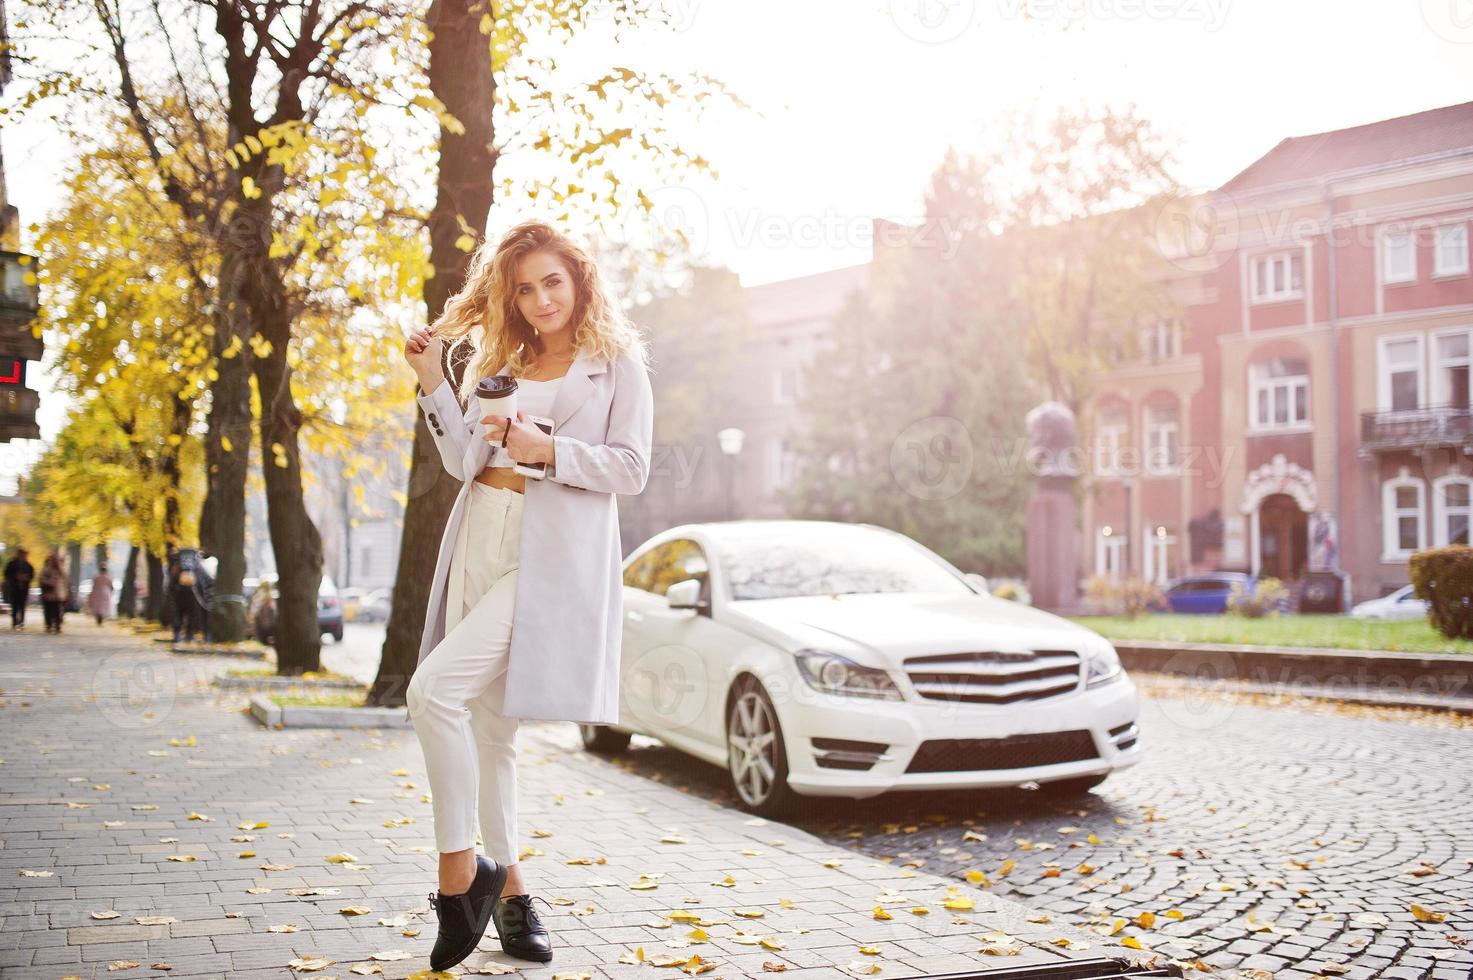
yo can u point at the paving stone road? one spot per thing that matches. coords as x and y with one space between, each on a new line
1293 837
126 779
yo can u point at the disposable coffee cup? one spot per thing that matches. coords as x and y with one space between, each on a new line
498 396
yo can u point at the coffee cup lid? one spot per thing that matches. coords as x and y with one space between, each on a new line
496 386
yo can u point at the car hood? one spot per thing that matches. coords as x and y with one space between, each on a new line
883 629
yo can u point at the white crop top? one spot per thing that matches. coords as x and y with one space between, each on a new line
533 398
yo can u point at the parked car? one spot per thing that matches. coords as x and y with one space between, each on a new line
1204 593
261 611
1399 605
829 659
376 605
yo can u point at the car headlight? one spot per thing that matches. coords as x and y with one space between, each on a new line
833 674
1103 666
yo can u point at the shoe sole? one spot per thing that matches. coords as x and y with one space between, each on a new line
482 920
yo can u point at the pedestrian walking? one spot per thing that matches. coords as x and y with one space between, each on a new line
55 591
18 575
100 602
525 610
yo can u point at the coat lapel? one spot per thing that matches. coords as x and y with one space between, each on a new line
571 395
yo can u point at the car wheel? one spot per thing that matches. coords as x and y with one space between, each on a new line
757 759
337 635
1074 785
603 739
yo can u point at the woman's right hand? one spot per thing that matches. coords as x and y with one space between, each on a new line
423 351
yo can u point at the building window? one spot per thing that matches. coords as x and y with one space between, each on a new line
781 463
1452 507
1398 257
1403 503
1109 441
1451 250
1399 382
1161 341
1163 438
1110 553
785 385
1278 277
1450 369
1159 544
1278 393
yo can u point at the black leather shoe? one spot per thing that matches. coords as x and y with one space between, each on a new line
463 917
522 933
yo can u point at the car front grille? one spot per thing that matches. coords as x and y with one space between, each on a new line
992 677
1017 752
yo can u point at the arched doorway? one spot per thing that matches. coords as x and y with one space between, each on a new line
1283 537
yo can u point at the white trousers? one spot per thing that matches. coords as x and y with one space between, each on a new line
455 693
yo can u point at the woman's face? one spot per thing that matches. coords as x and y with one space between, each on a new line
544 292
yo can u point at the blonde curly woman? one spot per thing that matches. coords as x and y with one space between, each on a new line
525 610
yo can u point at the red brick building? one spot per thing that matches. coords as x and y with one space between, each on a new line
1311 407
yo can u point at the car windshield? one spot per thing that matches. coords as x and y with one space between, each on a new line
775 563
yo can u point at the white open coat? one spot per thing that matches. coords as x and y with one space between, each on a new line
568 620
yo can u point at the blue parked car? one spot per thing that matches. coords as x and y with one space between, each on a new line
1204 593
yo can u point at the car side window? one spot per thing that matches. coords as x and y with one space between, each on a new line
640 573
679 560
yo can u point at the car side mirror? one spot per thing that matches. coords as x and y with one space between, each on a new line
685 595
978 582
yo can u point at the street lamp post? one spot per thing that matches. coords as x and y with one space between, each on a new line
730 440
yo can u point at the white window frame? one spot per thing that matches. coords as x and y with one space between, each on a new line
1383 370
1445 239
1161 341
1156 553
1109 553
1260 274
1391 549
1110 440
1440 394
781 395
1151 431
1260 381
780 463
1392 277
1441 511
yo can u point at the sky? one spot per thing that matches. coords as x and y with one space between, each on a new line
859 100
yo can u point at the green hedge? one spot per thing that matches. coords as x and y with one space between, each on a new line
1444 577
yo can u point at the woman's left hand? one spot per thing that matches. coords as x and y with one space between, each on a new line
526 443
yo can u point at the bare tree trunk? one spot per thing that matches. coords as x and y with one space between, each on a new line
154 611
295 539
461 77
128 594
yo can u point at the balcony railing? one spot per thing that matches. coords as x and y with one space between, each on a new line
1422 428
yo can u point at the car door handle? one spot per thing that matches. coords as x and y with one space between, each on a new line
636 616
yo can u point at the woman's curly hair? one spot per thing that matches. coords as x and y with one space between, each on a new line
483 313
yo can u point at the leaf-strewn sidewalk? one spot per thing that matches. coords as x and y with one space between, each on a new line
147 820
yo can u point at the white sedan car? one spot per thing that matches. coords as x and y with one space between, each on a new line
831 659
1402 604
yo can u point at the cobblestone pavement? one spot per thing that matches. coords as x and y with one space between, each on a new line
146 821
1290 836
